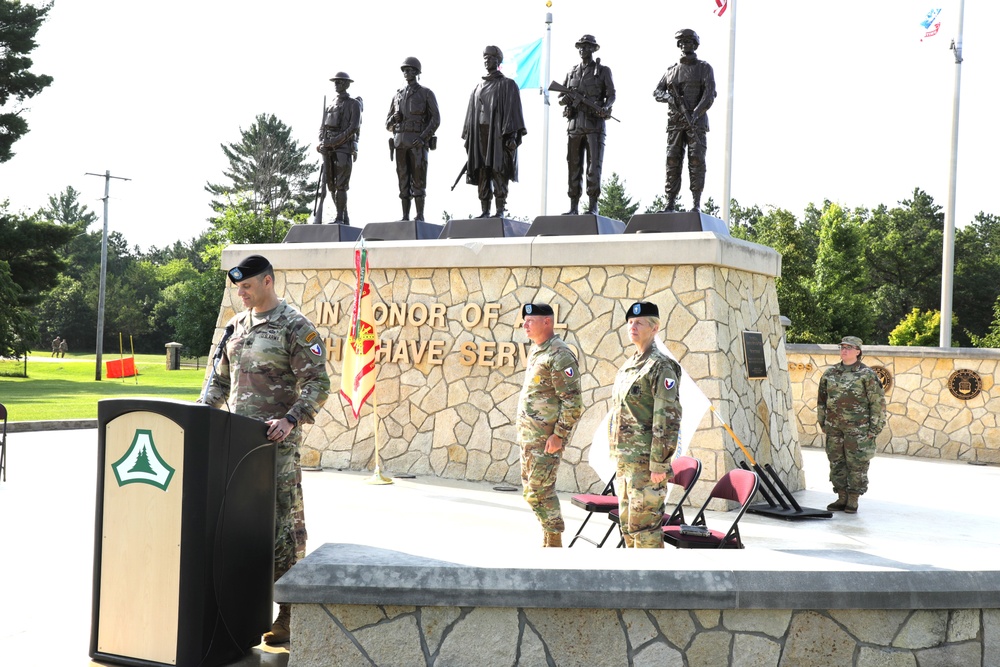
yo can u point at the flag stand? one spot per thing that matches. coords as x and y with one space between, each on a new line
377 476
777 507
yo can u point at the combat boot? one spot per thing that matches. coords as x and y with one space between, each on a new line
852 503
553 539
486 208
501 206
592 208
671 204
574 206
280 631
419 201
839 504
406 209
696 200
340 201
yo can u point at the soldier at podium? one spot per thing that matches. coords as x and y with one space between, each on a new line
273 368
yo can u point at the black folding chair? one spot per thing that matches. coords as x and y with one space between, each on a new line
595 503
687 470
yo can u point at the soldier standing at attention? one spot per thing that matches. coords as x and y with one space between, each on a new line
850 410
413 118
549 407
338 143
688 88
645 422
585 128
273 368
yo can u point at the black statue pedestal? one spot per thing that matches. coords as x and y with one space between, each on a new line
401 230
676 221
574 225
329 233
483 228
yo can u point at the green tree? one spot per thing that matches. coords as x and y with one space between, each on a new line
195 310
18 25
30 249
903 255
840 279
977 276
992 337
919 328
17 326
67 312
614 203
268 170
239 223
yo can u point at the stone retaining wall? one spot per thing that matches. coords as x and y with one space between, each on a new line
925 418
438 636
448 384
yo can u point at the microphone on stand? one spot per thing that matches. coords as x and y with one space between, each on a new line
222 343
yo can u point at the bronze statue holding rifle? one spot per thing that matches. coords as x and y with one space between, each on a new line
413 118
688 88
338 143
587 93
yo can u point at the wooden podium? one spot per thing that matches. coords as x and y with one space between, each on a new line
184 535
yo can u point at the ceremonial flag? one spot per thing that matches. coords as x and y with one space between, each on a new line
524 65
721 6
357 380
931 24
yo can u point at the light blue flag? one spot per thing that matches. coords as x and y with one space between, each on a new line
524 65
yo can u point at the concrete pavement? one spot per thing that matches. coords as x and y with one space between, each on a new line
47 519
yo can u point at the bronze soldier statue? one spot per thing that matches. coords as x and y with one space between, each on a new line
688 88
413 118
587 107
494 126
338 142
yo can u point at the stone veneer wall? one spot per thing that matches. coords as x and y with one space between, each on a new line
365 635
925 419
454 420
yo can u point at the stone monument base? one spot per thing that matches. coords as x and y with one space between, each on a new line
317 233
484 228
678 221
573 225
401 230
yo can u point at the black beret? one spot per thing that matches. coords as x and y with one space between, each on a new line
642 309
251 266
536 309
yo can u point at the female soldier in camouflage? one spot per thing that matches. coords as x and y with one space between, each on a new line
850 409
645 421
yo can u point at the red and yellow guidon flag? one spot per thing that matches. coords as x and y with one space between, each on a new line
357 380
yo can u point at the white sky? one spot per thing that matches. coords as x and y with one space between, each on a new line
834 100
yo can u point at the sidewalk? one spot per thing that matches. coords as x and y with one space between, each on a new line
47 515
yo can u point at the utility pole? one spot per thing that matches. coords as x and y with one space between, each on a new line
948 254
104 270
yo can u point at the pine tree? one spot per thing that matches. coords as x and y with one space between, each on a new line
18 25
614 203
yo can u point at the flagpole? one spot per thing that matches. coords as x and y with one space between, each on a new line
545 112
948 256
728 167
377 477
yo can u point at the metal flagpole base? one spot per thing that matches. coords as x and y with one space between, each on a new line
378 478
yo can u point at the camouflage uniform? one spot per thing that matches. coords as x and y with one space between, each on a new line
550 403
850 410
645 422
275 365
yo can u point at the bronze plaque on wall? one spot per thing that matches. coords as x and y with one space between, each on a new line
753 353
965 384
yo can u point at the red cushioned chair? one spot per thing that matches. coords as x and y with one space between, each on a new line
3 443
739 486
595 503
687 470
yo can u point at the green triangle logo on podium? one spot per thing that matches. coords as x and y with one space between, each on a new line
142 464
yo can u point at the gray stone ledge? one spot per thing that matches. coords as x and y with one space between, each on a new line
604 579
900 351
705 248
51 425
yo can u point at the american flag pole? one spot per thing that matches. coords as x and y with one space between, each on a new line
948 255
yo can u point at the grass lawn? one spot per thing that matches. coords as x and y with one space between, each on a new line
66 388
